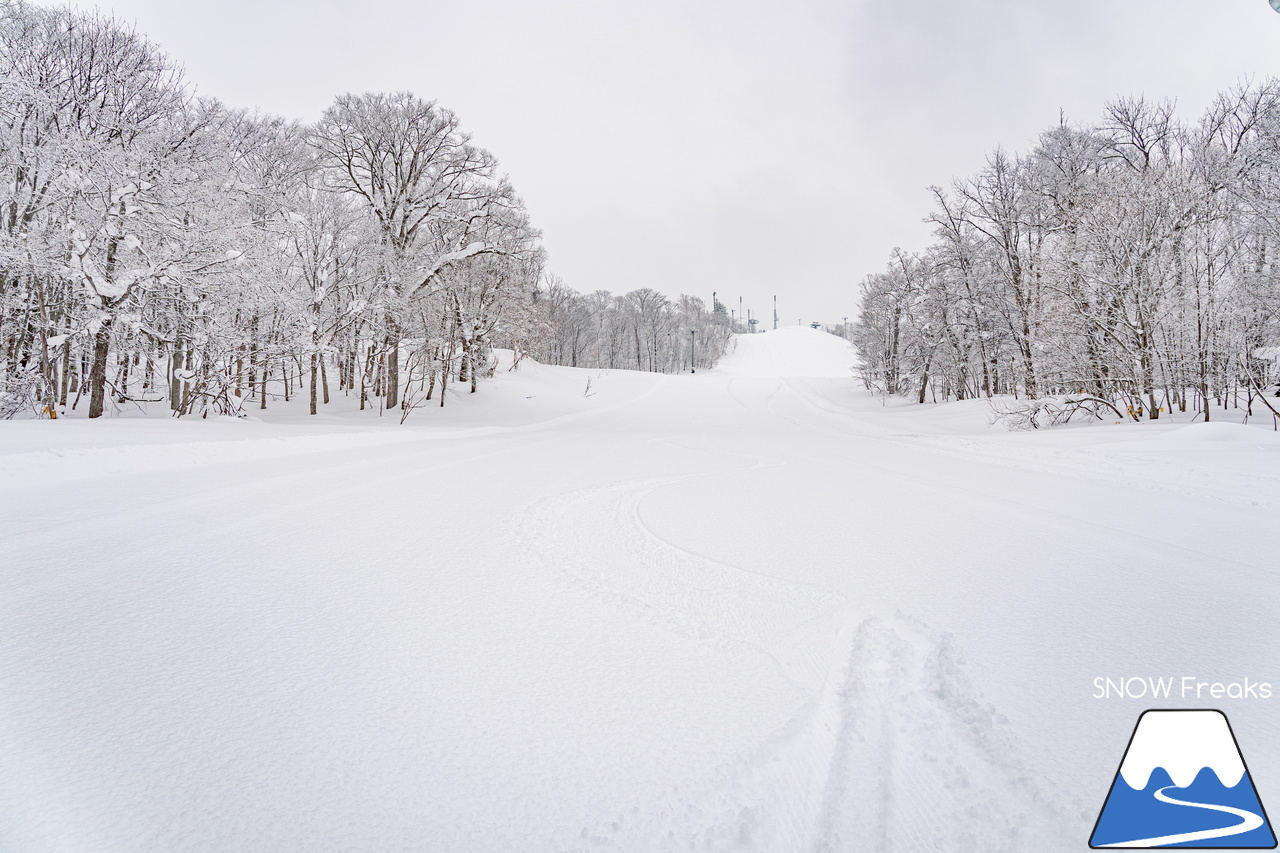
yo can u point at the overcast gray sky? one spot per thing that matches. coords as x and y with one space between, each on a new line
743 147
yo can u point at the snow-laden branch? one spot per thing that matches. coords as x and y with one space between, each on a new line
450 258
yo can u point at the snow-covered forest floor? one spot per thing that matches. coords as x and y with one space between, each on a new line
751 608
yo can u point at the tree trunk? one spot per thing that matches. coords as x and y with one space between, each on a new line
175 384
431 372
148 375
188 362
66 368
393 373
314 382
122 380
98 373
77 374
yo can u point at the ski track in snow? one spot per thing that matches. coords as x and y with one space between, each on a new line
911 753
439 605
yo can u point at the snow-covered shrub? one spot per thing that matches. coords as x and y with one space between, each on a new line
19 392
1048 411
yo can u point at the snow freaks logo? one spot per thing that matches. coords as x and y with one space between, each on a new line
1187 687
1183 783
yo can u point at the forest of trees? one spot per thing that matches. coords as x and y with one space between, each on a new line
157 248
1119 269
642 330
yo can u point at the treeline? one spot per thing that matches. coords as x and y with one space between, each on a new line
1128 265
642 330
160 248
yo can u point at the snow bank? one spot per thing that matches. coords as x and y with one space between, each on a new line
1258 434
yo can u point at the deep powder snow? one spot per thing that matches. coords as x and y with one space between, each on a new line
751 609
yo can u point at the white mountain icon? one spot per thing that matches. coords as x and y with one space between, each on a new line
1183 743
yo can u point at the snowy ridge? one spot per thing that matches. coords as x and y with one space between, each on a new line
1183 743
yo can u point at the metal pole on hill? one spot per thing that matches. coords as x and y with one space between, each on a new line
693 350
775 312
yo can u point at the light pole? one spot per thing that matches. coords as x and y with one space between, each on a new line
693 350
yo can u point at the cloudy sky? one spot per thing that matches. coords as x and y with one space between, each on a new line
737 146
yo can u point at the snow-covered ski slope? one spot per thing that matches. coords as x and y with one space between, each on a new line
748 609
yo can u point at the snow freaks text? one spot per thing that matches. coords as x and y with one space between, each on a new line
1184 687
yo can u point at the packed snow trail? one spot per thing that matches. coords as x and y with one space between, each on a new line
752 608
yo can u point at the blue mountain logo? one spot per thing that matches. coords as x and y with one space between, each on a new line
1183 783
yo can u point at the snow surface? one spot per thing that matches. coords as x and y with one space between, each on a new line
751 608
